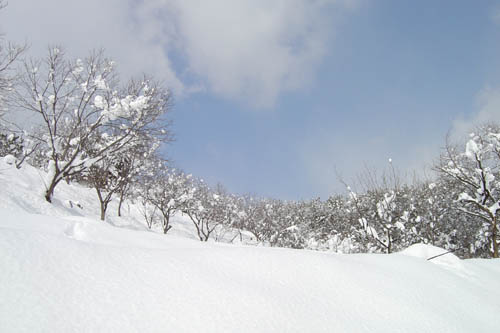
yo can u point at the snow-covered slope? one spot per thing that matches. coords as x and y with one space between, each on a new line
63 270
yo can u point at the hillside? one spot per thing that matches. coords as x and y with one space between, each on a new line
63 270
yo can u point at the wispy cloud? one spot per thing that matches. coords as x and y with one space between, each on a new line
488 110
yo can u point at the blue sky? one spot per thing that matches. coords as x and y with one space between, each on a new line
271 99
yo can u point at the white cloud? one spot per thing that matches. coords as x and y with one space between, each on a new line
247 50
251 49
81 26
488 102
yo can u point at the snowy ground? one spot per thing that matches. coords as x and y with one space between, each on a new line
63 270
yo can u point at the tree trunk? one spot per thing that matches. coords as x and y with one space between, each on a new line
122 194
166 222
103 203
197 225
494 236
389 242
123 191
103 211
49 193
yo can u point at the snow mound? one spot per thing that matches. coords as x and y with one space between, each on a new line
76 231
9 159
433 254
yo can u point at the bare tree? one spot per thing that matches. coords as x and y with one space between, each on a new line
149 212
78 102
208 209
384 210
9 53
167 192
475 169
114 173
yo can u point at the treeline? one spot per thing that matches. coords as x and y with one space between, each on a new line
452 211
95 130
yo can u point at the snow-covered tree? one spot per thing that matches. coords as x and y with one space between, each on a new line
78 101
168 192
265 219
475 169
373 211
249 215
385 210
9 53
331 226
208 210
275 222
11 144
437 221
113 174
291 222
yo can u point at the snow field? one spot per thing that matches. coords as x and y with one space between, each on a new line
63 270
